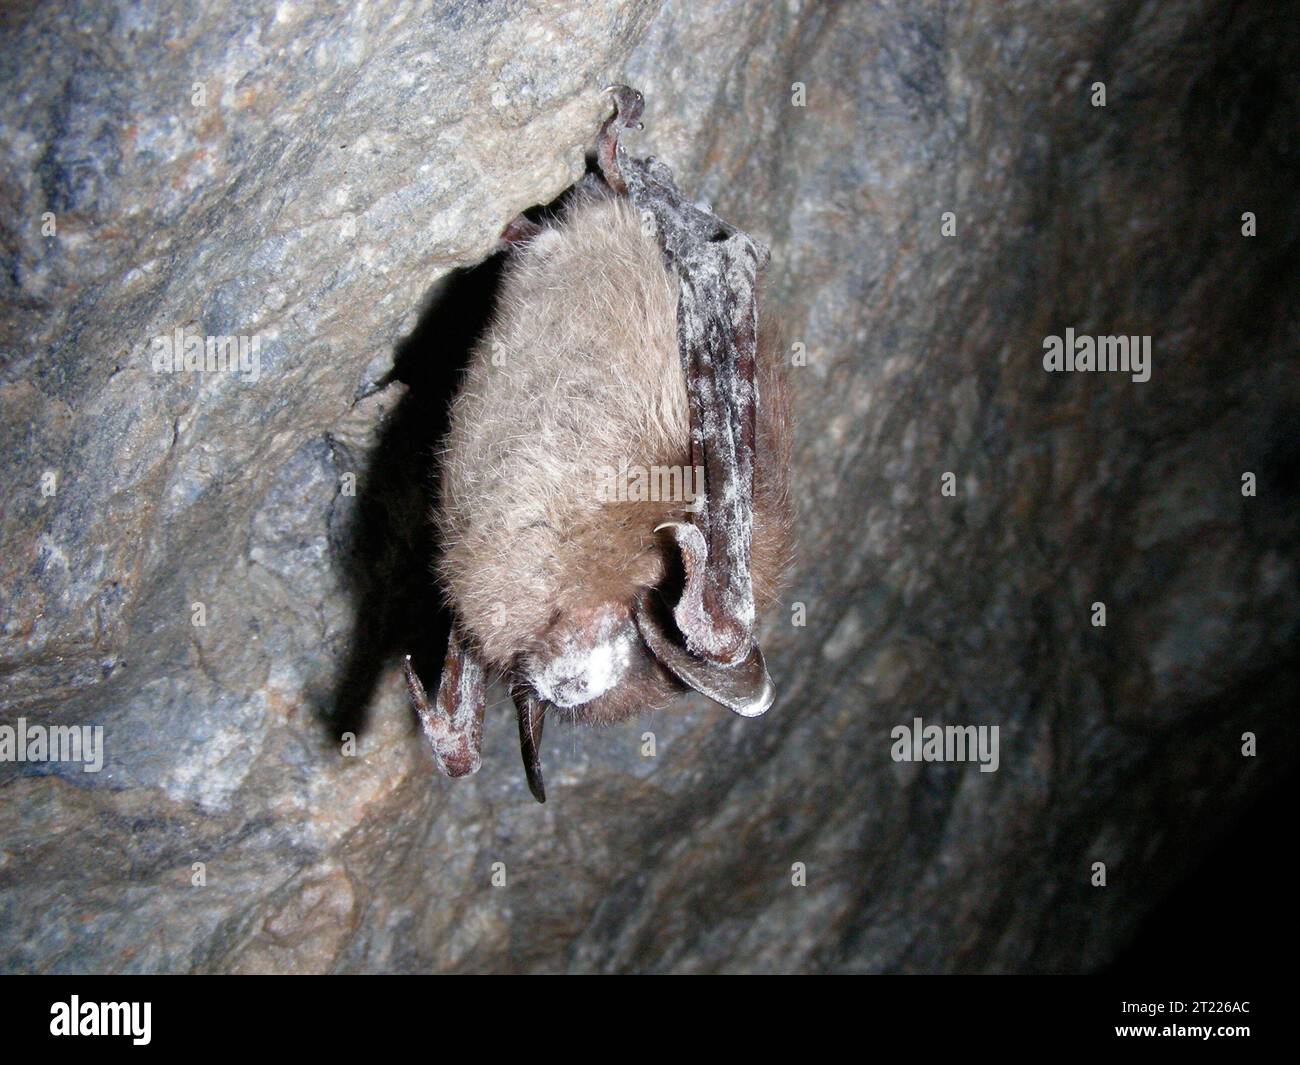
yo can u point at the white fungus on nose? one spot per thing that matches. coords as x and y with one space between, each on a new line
580 673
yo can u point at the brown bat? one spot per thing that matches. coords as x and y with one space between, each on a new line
626 343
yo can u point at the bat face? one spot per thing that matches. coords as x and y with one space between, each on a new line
581 498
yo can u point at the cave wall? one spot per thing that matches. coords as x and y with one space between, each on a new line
318 180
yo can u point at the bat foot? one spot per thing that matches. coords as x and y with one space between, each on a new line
452 723
628 106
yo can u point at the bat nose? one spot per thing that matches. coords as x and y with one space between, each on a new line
584 665
576 679
572 691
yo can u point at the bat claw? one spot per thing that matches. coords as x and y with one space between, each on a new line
628 105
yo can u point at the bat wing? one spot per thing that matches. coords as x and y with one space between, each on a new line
717 334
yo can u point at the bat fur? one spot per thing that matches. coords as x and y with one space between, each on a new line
578 372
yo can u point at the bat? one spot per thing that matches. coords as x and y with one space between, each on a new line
614 506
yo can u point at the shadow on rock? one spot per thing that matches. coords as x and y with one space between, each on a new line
387 543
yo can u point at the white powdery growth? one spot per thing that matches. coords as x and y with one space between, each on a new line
582 672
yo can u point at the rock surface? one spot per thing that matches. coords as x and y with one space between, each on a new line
304 178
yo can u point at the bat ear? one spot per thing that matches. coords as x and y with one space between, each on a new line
745 687
531 720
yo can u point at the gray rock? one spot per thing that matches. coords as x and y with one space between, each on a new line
303 178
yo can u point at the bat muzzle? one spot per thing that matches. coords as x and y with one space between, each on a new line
583 660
